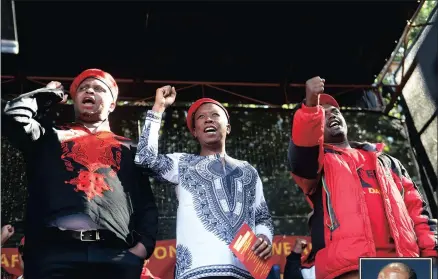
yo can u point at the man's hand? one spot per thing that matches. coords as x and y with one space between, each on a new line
164 97
58 85
139 250
263 248
314 87
7 232
300 245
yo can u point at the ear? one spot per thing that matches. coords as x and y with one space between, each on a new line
228 129
194 133
112 107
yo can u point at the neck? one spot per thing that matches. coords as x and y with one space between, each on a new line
212 150
98 126
343 144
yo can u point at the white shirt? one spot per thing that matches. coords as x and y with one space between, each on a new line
308 273
214 200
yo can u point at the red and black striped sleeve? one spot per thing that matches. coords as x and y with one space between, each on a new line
305 153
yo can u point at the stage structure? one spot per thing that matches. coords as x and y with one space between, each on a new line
194 88
414 77
9 37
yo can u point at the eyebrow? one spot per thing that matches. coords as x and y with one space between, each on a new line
332 109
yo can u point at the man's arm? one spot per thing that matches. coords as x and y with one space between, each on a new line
18 122
263 220
425 227
305 153
292 269
263 223
164 167
145 213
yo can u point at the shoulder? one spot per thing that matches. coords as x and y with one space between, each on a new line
184 158
239 163
366 146
132 145
245 165
387 160
392 163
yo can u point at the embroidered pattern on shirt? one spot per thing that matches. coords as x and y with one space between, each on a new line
99 156
221 212
183 260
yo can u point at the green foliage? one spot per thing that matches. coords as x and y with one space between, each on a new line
417 25
259 136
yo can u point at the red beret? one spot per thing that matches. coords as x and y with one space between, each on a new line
325 99
97 74
193 108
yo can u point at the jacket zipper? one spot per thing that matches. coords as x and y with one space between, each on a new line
333 222
381 179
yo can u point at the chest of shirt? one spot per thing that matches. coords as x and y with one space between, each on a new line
213 179
363 167
66 154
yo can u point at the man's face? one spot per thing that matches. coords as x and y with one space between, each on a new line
211 124
335 127
93 101
391 273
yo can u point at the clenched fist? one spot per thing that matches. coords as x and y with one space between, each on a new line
57 85
314 87
54 85
6 232
300 245
164 97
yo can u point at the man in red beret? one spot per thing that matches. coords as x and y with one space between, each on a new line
217 194
90 209
365 204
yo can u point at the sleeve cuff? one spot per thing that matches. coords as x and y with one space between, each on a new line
154 116
22 107
149 244
262 229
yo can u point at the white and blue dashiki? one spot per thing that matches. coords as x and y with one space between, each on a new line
215 200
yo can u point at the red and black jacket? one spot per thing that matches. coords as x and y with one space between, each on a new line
322 169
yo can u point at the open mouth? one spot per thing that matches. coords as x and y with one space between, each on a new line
210 130
88 101
334 123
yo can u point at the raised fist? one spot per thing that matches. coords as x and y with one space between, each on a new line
7 232
314 87
54 85
300 245
57 85
164 97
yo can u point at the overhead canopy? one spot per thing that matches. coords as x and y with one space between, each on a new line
345 42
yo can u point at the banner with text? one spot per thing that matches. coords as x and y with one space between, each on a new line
162 263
